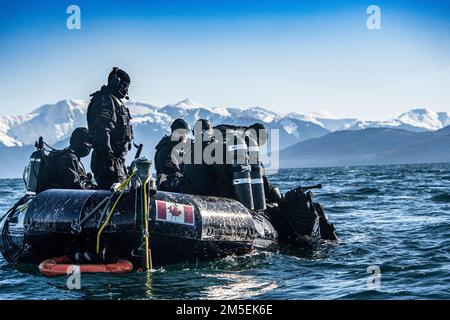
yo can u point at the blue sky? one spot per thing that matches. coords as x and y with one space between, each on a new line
288 56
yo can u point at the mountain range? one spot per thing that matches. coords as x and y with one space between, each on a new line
371 146
301 136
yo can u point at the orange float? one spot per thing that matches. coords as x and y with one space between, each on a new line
63 265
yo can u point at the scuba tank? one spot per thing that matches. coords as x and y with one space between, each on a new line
256 174
259 196
237 158
33 170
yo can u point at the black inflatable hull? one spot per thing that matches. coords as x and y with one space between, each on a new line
183 228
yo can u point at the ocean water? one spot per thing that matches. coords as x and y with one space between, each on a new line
394 218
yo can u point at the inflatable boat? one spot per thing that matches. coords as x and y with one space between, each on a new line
135 222
180 227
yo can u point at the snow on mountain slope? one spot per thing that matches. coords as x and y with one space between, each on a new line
8 122
325 120
444 118
8 141
140 108
372 146
394 123
260 114
422 118
416 120
55 122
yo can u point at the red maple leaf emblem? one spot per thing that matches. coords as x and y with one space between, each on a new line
174 210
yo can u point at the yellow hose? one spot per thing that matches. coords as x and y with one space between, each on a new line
148 263
121 188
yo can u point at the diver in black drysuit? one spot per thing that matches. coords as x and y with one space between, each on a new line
169 153
295 214
63 168
197 177
109 126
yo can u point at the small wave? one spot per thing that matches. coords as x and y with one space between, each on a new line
441 198
366 190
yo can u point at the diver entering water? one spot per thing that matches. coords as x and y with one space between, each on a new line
110 129
63 168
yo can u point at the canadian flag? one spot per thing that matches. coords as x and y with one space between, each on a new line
174 212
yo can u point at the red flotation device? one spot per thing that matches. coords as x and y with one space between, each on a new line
64 265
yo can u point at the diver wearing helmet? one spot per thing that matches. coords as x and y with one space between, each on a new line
63 168
169 156
109 126
196 176
169 151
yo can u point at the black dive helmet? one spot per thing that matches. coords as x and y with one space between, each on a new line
119 82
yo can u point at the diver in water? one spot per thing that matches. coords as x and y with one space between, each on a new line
296 214
109 126
63 168
169 151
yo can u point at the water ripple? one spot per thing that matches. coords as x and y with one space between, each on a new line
394 217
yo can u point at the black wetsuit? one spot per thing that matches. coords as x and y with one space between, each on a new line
111 133
164 162
197 177
62 170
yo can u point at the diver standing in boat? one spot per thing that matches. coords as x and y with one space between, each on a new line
110 129
63 168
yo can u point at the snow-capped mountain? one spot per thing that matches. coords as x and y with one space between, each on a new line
55 122
417 120
371 146
326 120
